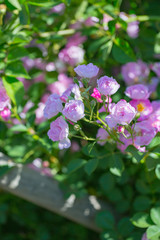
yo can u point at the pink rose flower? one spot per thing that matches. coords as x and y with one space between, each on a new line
61 85
102 135
75 40
87 71
138 91
4 99
144 107
156 68
121 113
74 110
72 55
59 131
134 72
91 21
39 113
144 133
73 88
107 85
58 8
154 118
53 106
133 28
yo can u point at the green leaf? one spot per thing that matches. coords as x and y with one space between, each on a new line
18 128
142 203
153 232
4 169
105 220
16 69
14 88
141 220
17 53
24 15
122 52
155 215
116 164
155 142
107 182
43 3
91 166
125 227
75 164
157 44
151 162
136 155
157 171
13 4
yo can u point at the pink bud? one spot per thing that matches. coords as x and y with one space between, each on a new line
5 114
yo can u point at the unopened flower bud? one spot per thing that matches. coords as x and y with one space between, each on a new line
120 129
77 127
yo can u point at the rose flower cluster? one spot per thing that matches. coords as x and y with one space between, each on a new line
128 123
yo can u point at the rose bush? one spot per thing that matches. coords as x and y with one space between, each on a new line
79 98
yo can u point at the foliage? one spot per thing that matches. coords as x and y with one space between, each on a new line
33 43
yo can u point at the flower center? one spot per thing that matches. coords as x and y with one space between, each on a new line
140 107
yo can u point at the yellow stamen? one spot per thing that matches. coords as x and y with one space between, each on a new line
140 107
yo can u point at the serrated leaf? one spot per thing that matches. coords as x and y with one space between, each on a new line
91 166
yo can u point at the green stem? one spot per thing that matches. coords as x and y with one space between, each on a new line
144 18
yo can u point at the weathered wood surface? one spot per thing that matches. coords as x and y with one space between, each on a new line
44 191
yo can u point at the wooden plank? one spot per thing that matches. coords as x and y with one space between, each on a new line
44 191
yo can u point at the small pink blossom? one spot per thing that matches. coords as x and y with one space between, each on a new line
74 110
87 71
134 72
91 21
138 91
59 131
73 88
53 106
39 113
144 133
107 85
133 28
144 107
144 237
106 19
4 99
5 113
58 8
102 135
72 55
154 117
50 67
96 94
75 40
156 68
121 113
